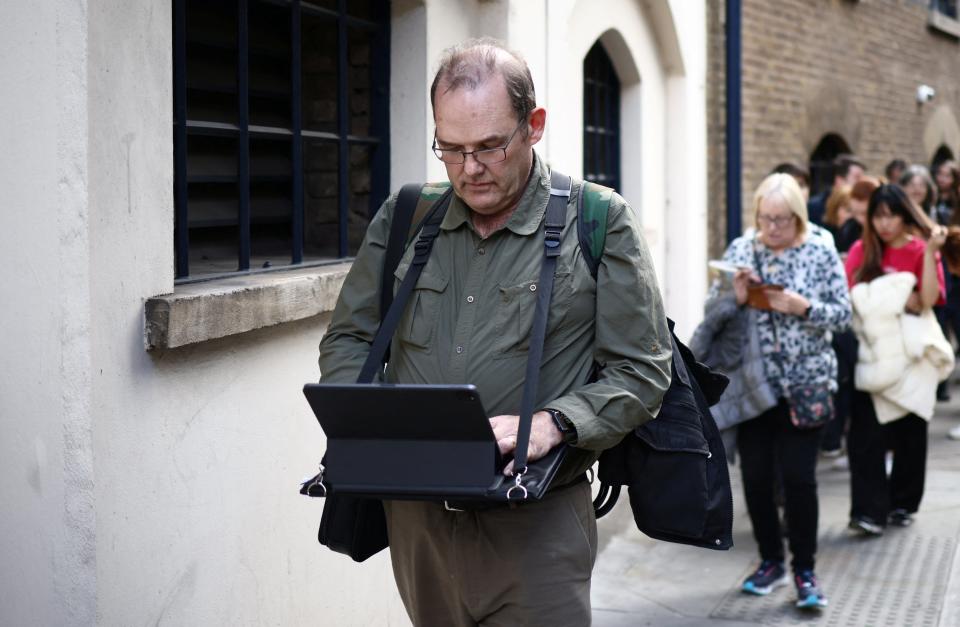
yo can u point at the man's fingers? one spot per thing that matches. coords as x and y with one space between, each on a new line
504 425
507 443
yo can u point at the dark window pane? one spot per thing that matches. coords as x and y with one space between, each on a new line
270 65
211 157
319 74
211 66
364 9
271 203
361 158
320 210
359 80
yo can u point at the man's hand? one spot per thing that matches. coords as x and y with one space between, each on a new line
787 301
544 435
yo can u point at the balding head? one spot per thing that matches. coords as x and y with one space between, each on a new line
475 62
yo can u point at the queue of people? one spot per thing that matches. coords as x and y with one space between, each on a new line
842 308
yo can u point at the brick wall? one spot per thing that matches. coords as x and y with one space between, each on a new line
812 67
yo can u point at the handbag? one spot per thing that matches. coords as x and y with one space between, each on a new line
811 406
356 526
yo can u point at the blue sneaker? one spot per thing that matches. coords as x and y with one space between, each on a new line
809 595
769 576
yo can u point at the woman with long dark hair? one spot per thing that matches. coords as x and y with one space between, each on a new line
898 239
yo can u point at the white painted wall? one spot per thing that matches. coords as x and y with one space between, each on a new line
47 560
160 487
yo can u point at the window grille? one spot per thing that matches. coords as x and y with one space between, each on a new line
601 119
281 128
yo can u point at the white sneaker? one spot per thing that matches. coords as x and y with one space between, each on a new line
954 434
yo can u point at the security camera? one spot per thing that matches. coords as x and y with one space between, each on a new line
925 93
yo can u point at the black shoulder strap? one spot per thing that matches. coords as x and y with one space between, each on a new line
388 324
399 226
554 222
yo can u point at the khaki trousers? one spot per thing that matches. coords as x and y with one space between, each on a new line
510 566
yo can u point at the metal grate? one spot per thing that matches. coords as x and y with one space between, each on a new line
898 579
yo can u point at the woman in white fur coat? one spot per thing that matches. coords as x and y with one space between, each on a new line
896 278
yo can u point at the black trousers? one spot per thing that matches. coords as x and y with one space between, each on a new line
770 445
872 493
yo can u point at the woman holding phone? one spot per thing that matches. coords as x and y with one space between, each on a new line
798 285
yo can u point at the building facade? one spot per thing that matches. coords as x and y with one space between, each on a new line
830 76
185 182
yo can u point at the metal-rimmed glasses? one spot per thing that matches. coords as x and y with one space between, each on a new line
779 221
486 156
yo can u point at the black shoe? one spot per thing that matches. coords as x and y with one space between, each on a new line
900 518
866 526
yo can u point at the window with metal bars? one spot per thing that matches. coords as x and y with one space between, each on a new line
281 128
601 119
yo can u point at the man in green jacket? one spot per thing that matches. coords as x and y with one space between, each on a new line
468 321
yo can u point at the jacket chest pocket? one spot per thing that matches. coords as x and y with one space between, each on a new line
418 324
516 307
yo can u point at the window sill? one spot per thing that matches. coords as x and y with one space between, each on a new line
198 312
944 23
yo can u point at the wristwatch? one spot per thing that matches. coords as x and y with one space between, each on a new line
564 424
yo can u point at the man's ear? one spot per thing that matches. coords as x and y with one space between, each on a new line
536 125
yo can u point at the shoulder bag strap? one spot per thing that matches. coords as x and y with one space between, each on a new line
381 342
403 212
554 222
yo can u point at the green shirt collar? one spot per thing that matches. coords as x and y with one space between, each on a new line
528 215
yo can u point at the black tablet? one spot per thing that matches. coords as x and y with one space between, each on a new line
406 440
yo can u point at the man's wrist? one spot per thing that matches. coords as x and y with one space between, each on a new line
563 424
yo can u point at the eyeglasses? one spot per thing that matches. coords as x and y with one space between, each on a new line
485 156
779 222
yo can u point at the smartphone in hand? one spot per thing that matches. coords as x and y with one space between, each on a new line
757 295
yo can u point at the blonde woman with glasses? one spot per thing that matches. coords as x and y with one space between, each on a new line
797 284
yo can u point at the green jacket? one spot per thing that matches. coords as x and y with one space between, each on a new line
469 319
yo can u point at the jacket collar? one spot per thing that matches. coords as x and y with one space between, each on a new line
526 218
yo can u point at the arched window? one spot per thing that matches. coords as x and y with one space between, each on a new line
943 154
601 119
821 161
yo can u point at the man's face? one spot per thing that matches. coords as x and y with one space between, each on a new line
480 119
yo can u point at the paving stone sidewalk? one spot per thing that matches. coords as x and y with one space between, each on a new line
909 576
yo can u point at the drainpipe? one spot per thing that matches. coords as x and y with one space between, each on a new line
734 139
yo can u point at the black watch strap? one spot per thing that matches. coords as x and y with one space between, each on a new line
564 424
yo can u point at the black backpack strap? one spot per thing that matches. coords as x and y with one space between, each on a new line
399 227
554 222
381 342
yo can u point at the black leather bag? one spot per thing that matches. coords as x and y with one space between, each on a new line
353 526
